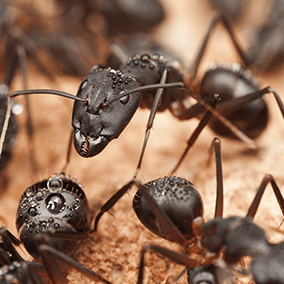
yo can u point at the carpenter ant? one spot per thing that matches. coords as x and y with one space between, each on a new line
79 40
105 94
265 50
101 97
172 209
235 84
52 219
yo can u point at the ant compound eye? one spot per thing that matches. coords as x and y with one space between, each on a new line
55 203
54 184
82 86
124 100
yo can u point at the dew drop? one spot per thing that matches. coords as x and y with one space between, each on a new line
55 184
55 203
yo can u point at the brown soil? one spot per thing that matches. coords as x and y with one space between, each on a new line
114 251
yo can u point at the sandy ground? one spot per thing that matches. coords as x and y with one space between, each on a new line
114 250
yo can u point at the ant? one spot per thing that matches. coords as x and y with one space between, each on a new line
235 237
52 219
172 208
265 46
105 94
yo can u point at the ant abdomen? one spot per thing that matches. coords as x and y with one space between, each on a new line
231 84
56 204
179 199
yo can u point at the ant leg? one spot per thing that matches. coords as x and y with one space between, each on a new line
111 202
48 253
255 203
216 145
217 18
219 205
231 106
5 125
30 275
9 240
172 255
150 121
52 267
243 137
203 122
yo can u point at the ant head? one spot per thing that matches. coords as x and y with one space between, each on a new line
104 117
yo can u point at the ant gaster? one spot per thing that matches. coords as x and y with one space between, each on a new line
52 219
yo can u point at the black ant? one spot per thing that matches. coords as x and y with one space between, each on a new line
265 45
52 219
172 208
107 99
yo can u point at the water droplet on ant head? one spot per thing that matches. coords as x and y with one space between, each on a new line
55 203
145 58
54 184
39 195
124 100
32 211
